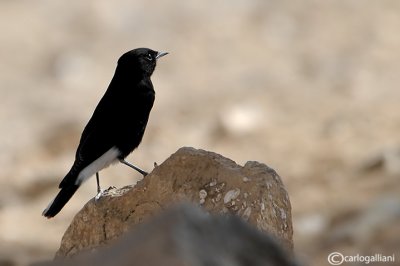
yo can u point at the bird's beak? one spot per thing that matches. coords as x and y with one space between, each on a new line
160 54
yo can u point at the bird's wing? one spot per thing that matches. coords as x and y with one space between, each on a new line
97 138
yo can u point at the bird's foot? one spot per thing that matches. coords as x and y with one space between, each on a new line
99 194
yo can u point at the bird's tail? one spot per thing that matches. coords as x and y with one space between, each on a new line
60 200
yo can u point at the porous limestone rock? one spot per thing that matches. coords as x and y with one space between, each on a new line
254 192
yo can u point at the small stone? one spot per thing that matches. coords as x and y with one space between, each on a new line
218 197
231 195
283 214
246 213
202 194
213 183
246 179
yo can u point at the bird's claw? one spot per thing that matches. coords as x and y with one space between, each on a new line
99 194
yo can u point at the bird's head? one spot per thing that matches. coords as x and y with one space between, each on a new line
140 61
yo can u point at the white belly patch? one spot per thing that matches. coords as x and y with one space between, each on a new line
111 156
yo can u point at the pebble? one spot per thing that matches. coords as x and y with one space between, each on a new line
202 195
246 213
231 195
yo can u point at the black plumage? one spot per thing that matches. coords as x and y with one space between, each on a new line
117 125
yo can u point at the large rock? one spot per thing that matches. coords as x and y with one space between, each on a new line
254 192
186 235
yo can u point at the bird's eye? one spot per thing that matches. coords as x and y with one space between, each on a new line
149 57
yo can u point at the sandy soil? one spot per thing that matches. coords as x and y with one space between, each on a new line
308 87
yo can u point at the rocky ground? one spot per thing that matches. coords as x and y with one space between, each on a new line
308 87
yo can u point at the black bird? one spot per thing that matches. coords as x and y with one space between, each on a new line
117 125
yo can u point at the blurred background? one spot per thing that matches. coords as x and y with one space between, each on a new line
310 88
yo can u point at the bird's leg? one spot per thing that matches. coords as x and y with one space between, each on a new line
133 167
98 182
99 190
